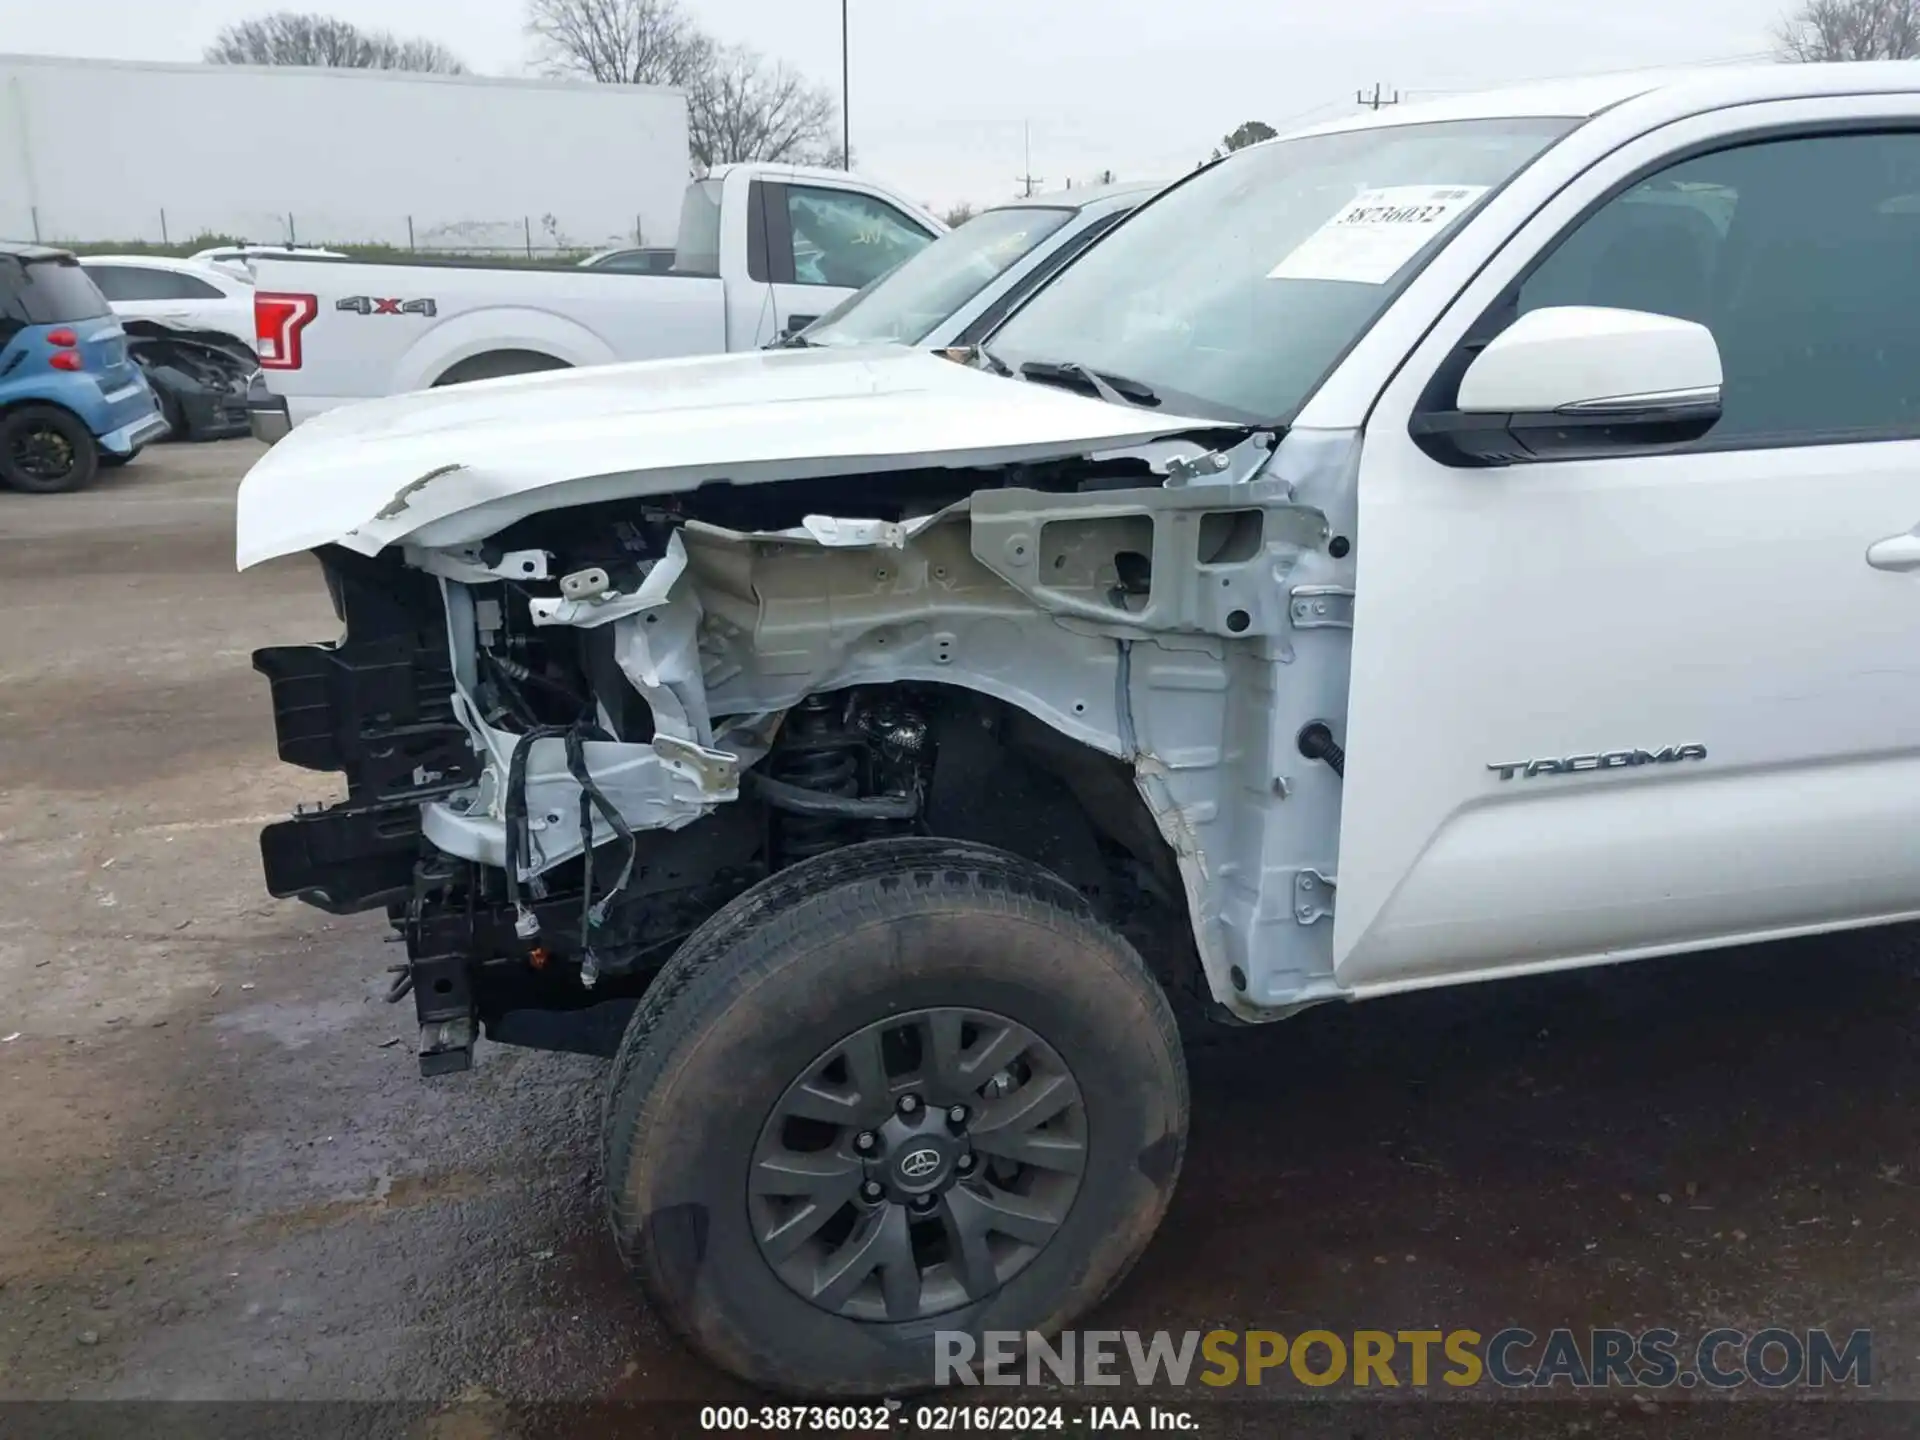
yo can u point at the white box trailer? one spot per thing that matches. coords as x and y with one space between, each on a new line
98 151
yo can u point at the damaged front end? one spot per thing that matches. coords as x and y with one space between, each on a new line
571 742
200 377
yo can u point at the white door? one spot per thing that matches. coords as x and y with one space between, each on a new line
1711 614
828 243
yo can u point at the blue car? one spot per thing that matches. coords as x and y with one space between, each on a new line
70 398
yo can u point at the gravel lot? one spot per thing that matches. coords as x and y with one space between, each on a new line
221 1178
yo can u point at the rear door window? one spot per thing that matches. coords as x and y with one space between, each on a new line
116 282
138 282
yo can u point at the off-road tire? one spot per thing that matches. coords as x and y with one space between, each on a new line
781 974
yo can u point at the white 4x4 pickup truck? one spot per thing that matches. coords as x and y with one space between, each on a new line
762 250
1546 459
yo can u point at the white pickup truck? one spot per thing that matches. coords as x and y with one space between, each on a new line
1441 546
762 250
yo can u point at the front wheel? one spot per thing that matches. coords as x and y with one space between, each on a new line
903 1088
44 450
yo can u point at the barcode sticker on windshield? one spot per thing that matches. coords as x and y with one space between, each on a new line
1375 233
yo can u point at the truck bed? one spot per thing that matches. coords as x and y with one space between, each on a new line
381 329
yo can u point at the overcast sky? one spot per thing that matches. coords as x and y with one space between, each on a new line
942 89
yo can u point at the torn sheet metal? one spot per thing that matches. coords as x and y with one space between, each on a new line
831 531
659 653
403 497
602 609
836 532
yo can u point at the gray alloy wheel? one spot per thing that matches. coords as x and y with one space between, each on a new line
918 1165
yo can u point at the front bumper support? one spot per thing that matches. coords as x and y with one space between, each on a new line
267 414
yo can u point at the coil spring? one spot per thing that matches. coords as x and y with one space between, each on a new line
816 754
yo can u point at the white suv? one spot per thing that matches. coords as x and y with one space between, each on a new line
183 295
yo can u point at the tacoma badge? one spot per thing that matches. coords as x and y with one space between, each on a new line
1609 760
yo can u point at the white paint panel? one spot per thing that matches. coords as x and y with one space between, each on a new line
1589 607
1541 879
453 465
93 151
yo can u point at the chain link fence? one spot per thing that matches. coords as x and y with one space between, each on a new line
531 239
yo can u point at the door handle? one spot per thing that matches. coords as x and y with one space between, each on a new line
1896 552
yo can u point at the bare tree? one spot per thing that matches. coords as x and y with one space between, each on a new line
742 108
1851 30
739 107
290 38
421 56
959 214
624 42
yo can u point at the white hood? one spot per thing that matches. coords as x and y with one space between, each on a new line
452 466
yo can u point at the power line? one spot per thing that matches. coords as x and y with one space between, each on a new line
1382 96
1286 121
1749 57
1030 180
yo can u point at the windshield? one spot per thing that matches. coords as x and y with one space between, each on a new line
1234 294
696 249
906 303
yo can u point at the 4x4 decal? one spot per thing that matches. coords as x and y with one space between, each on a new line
370 305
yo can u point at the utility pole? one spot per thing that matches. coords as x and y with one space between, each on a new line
1029 179
1377 99
846 95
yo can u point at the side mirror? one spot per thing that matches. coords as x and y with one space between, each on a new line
1578 381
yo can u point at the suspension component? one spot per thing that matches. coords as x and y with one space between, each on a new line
815 753
797 800
845 768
